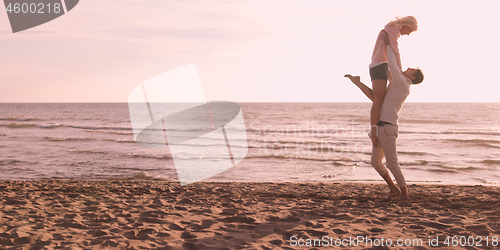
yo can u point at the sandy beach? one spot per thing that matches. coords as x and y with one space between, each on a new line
117 214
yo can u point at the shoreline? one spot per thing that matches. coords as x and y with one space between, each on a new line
346 181
119 214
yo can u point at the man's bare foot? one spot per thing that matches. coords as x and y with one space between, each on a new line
404 194
392 194
354 79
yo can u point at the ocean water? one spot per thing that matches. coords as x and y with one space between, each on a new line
445 143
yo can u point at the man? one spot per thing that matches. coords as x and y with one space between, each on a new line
387 126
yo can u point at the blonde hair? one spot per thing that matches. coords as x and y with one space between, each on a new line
409 21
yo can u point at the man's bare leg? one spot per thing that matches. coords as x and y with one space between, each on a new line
394 191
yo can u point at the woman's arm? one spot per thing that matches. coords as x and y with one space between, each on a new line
366 90
393 35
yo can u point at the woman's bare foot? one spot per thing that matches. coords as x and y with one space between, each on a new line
354 79
392 194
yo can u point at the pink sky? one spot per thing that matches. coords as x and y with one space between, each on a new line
249 51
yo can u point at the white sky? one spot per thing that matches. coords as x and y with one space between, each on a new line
249 50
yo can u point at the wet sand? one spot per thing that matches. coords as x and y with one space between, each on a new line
123 214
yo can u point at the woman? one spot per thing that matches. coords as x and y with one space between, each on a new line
378 67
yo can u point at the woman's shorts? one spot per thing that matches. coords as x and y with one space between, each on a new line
379 72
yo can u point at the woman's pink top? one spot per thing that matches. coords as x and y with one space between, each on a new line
380 51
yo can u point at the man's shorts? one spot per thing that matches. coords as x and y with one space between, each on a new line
379 72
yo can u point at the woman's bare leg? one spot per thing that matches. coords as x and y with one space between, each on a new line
379 87
357 81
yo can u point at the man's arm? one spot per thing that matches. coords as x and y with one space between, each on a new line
366 90
393 66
